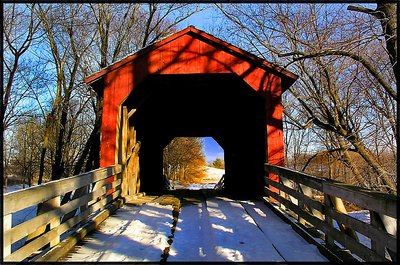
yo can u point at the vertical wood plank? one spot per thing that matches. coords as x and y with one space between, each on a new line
339 206
55 203
42 209
328 204
124 141
118 139
300 203
376 245
137 175
7 223
309 192
124 184
390 225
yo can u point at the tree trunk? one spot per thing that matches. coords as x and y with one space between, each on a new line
389 27
383 175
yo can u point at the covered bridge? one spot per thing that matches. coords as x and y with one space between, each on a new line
193 84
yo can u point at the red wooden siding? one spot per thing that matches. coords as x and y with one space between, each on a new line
193 52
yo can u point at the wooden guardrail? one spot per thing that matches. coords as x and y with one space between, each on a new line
221 183
102 187
317 202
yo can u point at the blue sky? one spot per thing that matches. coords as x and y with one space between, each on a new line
212 150
201 20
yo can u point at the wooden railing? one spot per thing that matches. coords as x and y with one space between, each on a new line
317 202
102 186
221 183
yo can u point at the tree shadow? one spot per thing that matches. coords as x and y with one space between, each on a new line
133 233
220 230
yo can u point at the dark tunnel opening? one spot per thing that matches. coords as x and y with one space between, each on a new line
222 106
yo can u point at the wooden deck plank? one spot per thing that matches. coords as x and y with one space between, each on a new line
134 233
282 235
219 230
216 229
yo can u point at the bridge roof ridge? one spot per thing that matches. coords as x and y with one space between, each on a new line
202 35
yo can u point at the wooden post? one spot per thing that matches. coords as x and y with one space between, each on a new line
45 207
339 206
300 203
124 142
376 245
328 204
55 203
308 191
7 223
390 225
118 138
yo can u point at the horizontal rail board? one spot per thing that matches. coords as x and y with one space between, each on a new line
367 199
304 198
16 233
18 200
351 244
308 180
41 241
67 244
364 228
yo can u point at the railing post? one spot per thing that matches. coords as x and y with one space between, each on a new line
55 203
376 245
300 203
338 205
42 209
7 223
390 225
328 220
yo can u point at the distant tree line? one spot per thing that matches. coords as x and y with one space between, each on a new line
184 160
218 163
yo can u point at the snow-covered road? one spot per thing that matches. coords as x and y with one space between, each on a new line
217 229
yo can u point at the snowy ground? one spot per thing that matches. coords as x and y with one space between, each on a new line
209 182
218 229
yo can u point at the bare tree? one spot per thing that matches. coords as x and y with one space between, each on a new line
65 29
184 159
27 145
20 28
332 50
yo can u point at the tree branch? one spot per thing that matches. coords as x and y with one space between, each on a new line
358 58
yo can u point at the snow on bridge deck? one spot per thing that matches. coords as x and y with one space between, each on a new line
216 229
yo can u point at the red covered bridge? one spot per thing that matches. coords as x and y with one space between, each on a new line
193 84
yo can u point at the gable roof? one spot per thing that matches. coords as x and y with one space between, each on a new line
288 77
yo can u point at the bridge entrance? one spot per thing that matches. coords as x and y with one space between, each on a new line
192 84
222 106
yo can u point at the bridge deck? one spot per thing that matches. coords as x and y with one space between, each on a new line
213 229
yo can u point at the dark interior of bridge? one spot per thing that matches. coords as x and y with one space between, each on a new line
221 106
